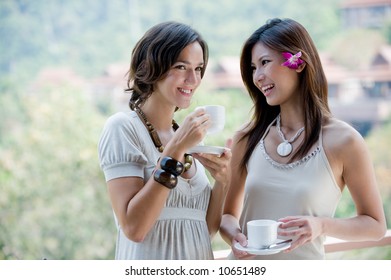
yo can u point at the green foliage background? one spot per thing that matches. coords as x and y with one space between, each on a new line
53 201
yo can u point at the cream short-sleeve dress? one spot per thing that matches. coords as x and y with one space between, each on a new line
181 232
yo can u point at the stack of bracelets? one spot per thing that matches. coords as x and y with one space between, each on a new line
168 175
171 168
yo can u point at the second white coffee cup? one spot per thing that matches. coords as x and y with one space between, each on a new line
262 233
217 115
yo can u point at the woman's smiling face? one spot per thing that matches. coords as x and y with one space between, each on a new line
277 83
183 78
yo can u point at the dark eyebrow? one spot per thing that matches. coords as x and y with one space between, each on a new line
187 62
266 56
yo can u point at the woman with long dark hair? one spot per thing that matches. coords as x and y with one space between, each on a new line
293 159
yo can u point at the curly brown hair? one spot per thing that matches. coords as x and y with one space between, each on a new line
155 53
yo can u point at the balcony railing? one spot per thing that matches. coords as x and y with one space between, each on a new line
333 245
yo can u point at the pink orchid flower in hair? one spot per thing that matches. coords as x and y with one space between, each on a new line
292 61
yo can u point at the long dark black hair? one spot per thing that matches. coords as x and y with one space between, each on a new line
286 35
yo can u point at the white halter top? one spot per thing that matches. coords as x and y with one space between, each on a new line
304 187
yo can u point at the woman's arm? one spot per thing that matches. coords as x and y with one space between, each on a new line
352 166
230 228
136 206
219 168
358 175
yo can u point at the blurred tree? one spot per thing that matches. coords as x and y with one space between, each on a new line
54 201
344 48
387 31
88 35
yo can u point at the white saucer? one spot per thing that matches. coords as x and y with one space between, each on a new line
207 150
271 251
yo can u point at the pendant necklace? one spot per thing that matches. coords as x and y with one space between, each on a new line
285 148
156 139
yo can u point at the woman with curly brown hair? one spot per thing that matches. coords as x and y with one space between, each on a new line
164 205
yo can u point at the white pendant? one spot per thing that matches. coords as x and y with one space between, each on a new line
284 149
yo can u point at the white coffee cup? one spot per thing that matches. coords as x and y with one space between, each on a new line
262 233
217 116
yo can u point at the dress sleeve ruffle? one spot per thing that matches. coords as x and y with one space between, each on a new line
119 149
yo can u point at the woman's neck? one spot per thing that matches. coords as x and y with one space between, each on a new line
292 119
158 115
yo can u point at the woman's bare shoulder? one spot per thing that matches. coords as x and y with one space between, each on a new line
339 135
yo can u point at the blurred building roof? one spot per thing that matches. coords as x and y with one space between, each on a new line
225 73
383 57
380 68
364 3
113 76
334 72
56 77
365 13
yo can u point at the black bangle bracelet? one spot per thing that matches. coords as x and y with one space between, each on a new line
172 166
165 178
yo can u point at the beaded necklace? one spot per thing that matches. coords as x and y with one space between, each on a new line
156 139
